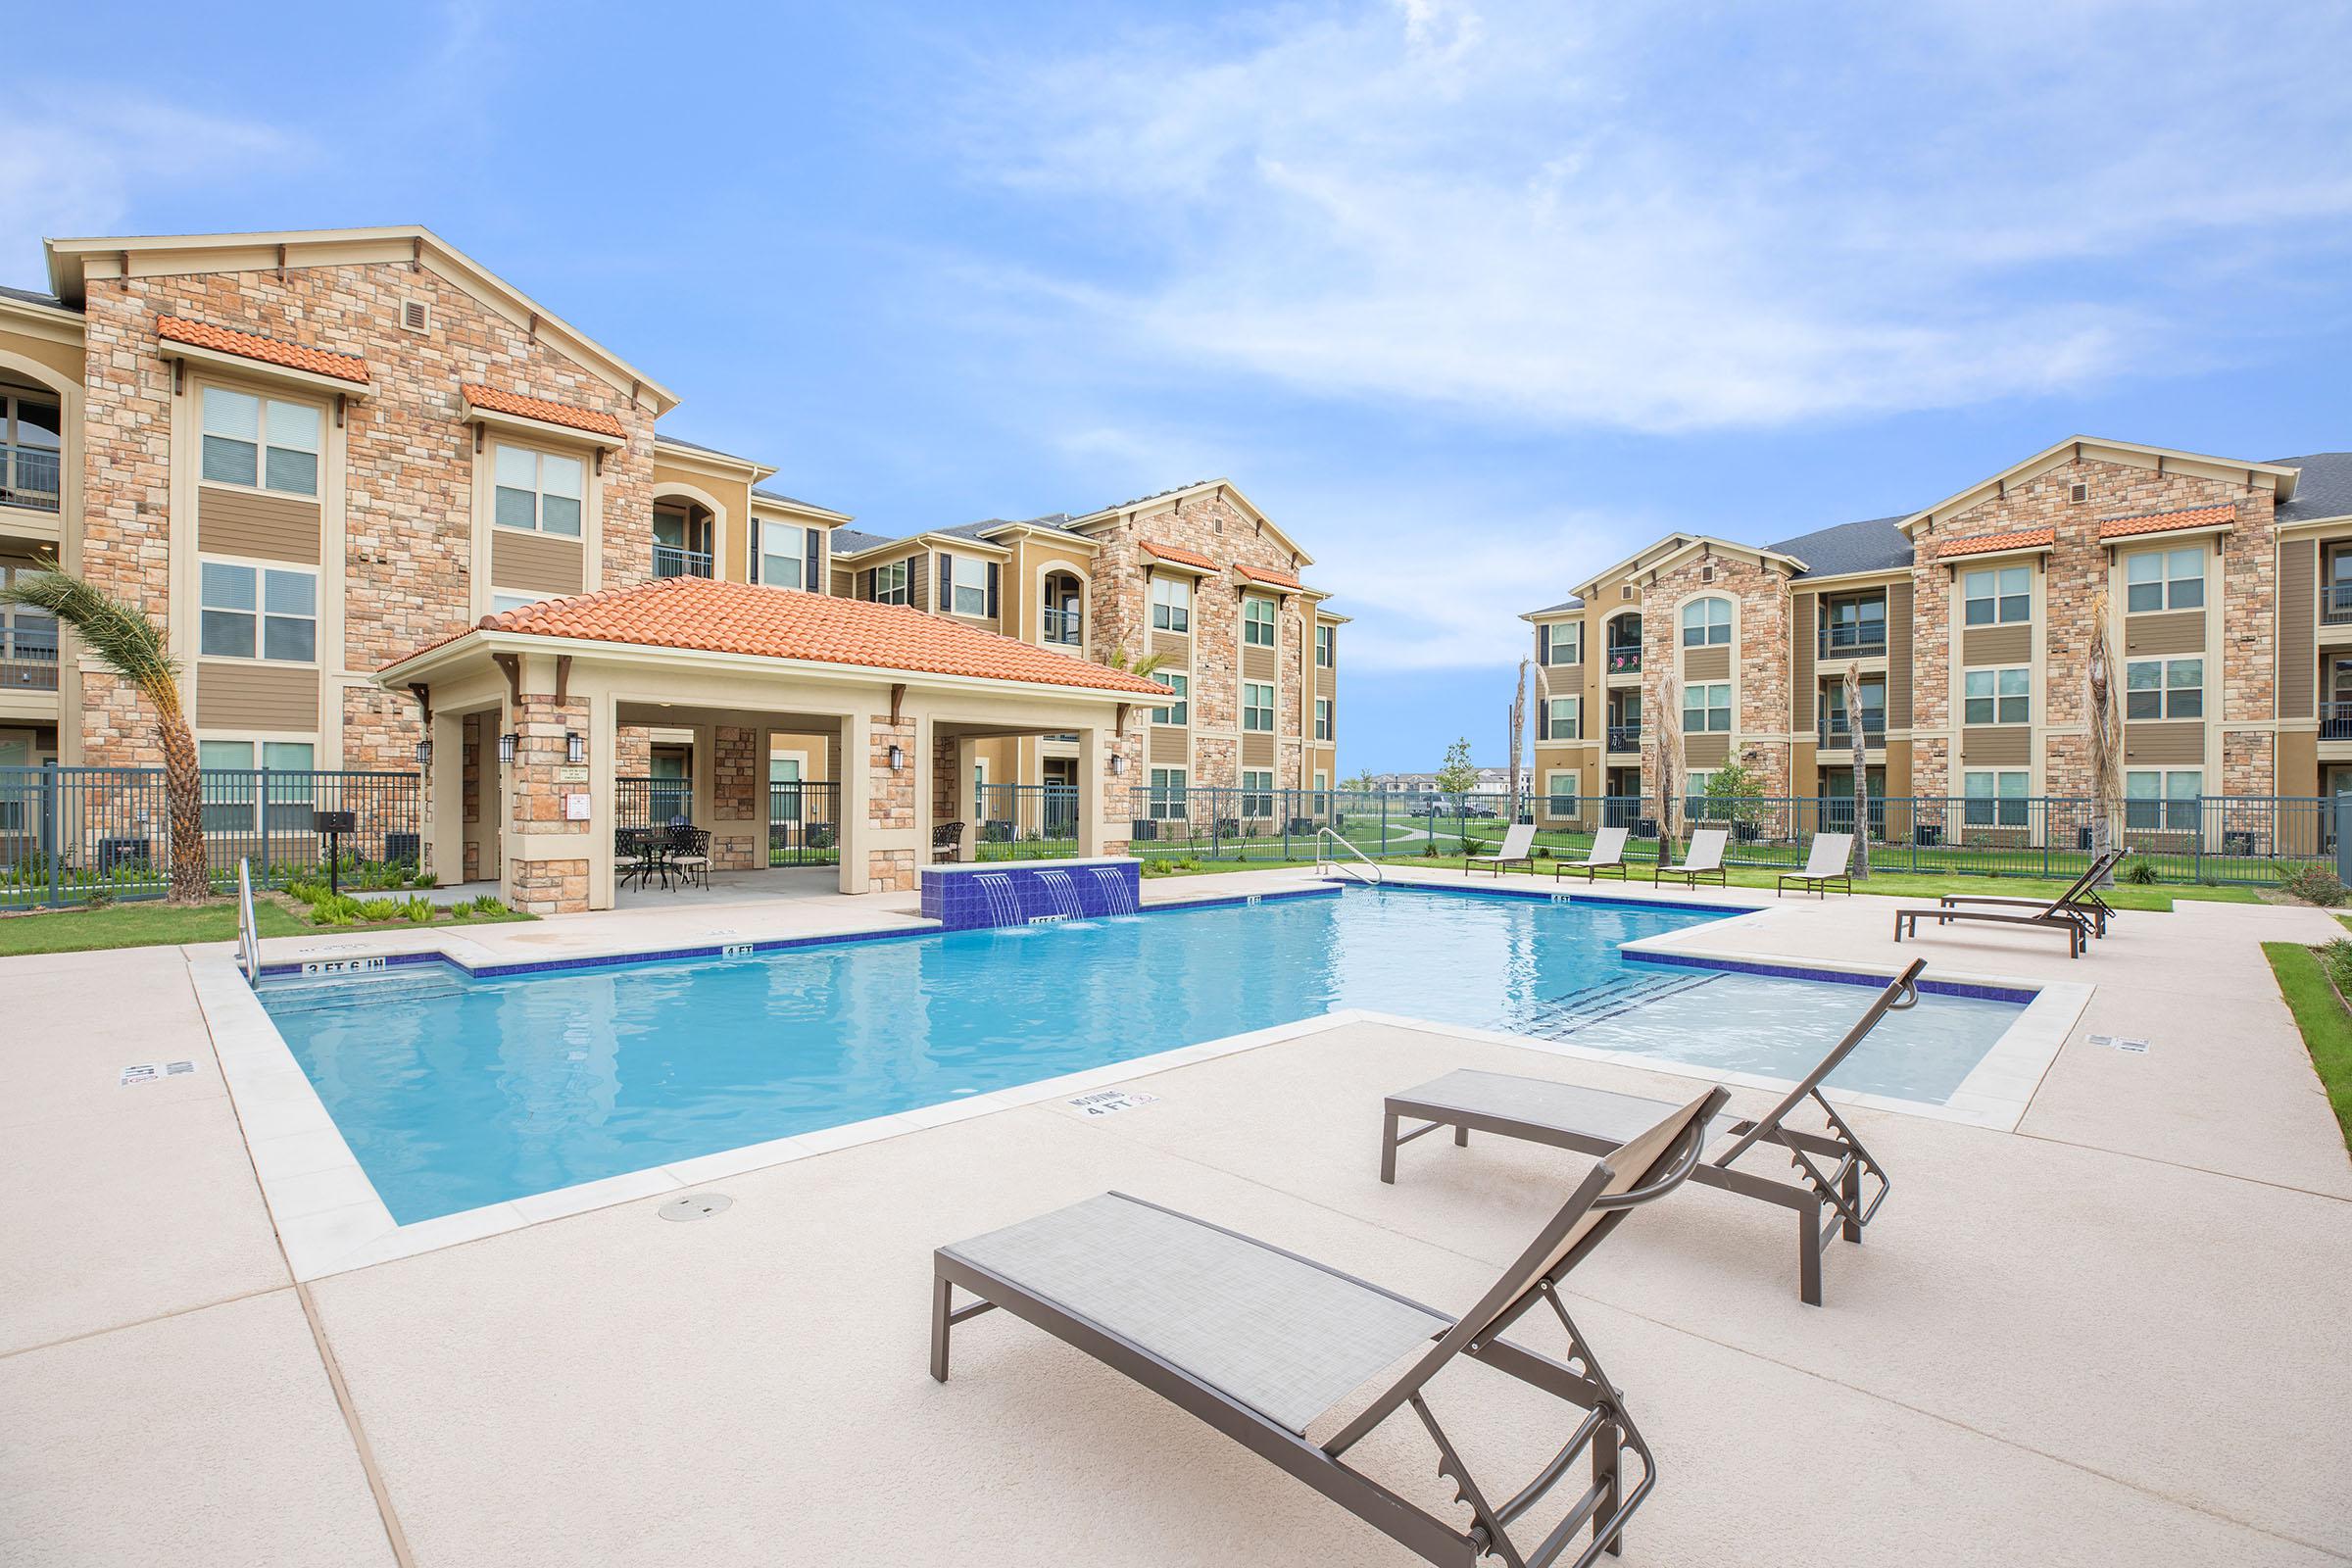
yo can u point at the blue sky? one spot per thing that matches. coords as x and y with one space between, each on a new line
1471 299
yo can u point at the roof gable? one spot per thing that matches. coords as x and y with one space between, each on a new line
2161 459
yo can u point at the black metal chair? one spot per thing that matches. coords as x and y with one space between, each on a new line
688 855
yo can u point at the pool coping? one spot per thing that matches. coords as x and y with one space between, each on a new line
331 1219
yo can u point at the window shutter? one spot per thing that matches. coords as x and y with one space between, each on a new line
815 583
1544 644
946 602
753 574
915 578
1544 719
992 590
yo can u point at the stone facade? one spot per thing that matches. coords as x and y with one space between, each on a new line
738 780
542 777
1759 662
890 803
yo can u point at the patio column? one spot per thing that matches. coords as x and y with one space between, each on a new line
445 799
852 766
1093 766
548 850
603 805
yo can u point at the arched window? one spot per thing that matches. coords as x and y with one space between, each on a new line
1706 623
1062 611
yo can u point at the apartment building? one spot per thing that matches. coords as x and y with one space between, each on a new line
2227 585
312 453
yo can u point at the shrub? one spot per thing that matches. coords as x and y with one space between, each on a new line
2139 873
419 911
487 904
2337 958
2314 884
334 909
379 908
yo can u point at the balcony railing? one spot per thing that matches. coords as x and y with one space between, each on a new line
1064 627
1865 641
2336 721
29 477
1833 731
1625 737
1625 660
671 561
27 664
2336 603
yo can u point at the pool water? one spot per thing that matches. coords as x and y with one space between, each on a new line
454 1093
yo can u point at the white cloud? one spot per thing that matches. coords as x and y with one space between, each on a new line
1660 222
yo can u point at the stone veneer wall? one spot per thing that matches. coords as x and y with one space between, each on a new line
737 777
1759 659
890 803
557 886
408 542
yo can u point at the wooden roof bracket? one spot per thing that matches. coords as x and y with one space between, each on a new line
897 694
424 700
417 254
512 664
563 678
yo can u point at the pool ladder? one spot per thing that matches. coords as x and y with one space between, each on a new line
249 935
1326 862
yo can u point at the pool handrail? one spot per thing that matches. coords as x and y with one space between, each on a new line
248 938
1325 861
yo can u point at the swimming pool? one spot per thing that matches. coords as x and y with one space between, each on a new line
457 1092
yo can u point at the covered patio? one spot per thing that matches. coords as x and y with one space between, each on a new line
899 699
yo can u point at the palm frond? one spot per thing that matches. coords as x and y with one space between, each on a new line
121 635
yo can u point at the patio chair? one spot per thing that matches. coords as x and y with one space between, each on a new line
689 856
2081 898
2043 914
1828 861
634 855
947 841
1517 841
1262 1343
1828 1193
1703 859
1606 858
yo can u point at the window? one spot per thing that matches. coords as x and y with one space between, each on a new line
970 585
258 613
2164 579
785 555
1167 793
2166 800
1997 696
1707 709
2164 688
1257 622
260 443
1706 623
233 796
1994 797
538 490
501 602
1257 791
1322 718
1997 595
1171 604
1854 624
30 441
1559 792
1179 711
890 584
1326 644
1257 705
1561 717
1322 805
1697 785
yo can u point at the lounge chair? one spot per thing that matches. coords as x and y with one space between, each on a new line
2044 914
1517 841
2081 898
1703 859
1262 1343
1828 861
1606 858
1827 1195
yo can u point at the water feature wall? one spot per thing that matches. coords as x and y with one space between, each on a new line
1010 892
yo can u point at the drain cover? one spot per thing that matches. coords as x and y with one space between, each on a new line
697 1205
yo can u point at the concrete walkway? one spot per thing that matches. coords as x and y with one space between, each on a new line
2109 1337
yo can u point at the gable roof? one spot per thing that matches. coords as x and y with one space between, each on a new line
2324 488
779 499
1873 544
2078 446
703 614
1225 487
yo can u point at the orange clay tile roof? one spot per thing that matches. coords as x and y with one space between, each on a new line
2165 521
1994 543
523 408
269 350
1177 554
705 616
1278 579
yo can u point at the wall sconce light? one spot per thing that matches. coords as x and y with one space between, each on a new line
506 746
898 759
576 747
424 754
1118 764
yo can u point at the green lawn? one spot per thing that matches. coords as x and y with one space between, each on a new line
1925 885
2327 1029
152 925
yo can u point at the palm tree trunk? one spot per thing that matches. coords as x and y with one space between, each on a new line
191 880
1853 722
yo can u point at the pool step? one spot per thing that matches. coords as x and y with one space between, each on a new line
1562 1017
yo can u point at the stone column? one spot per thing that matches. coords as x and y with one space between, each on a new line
737 772
890 803
548 852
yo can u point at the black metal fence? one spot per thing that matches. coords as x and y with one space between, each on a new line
804 823
652 801
1024 821
68 834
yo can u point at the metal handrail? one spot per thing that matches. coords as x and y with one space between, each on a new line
249 935
1322 860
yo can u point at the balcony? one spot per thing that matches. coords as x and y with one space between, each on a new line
29 477
2336 603
1064 628
1867 640
1626 661
1835 735
1625 738
2336 721
671 561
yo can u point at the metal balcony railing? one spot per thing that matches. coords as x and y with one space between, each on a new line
2336 721
29 477
1065 627
1625 737
1625 660
28 662
1833 731
671 561
2335 603
1866 640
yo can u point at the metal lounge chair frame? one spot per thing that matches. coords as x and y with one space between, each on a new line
1655 1163
1591 870
1819 881
2081 898
1832 1168
2052 915
1694 867
1518 843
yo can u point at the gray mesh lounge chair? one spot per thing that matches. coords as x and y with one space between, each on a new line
2041 914
1606 858
1832 1168
2081 898
1702 863
1262 1343
1829 861
1517 839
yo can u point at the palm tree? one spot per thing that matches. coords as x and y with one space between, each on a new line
130 645
1139 666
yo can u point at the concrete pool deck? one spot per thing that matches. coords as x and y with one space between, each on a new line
2109 1335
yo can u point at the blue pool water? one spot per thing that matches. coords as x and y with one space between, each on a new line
456 1093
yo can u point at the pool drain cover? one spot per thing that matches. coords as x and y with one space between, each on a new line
698 1205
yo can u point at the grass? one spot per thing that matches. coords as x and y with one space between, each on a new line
1927 884
2319 1013
155 925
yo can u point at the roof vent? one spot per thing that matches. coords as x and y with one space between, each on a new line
416 315
1706 573
2078 491
1625 591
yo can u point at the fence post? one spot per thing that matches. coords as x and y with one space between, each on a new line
2197 871
2342 808
53 823
2046 814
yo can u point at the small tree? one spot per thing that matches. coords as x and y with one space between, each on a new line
1458 777
1734 791
1361 783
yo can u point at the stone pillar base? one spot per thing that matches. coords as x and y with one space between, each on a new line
550 887
889 871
